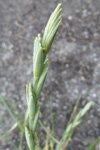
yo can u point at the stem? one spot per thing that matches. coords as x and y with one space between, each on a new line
44 128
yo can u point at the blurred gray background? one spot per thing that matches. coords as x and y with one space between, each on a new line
74 63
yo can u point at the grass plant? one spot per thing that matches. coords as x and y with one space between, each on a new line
27 126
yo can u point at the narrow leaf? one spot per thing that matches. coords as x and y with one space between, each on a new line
44 128
93 145
83 111
9 131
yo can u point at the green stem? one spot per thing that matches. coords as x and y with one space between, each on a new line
10 112
44 128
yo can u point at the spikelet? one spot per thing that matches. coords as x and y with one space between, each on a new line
51 28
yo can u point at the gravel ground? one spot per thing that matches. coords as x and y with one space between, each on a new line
74 63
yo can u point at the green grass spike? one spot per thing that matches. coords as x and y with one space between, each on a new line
51 28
